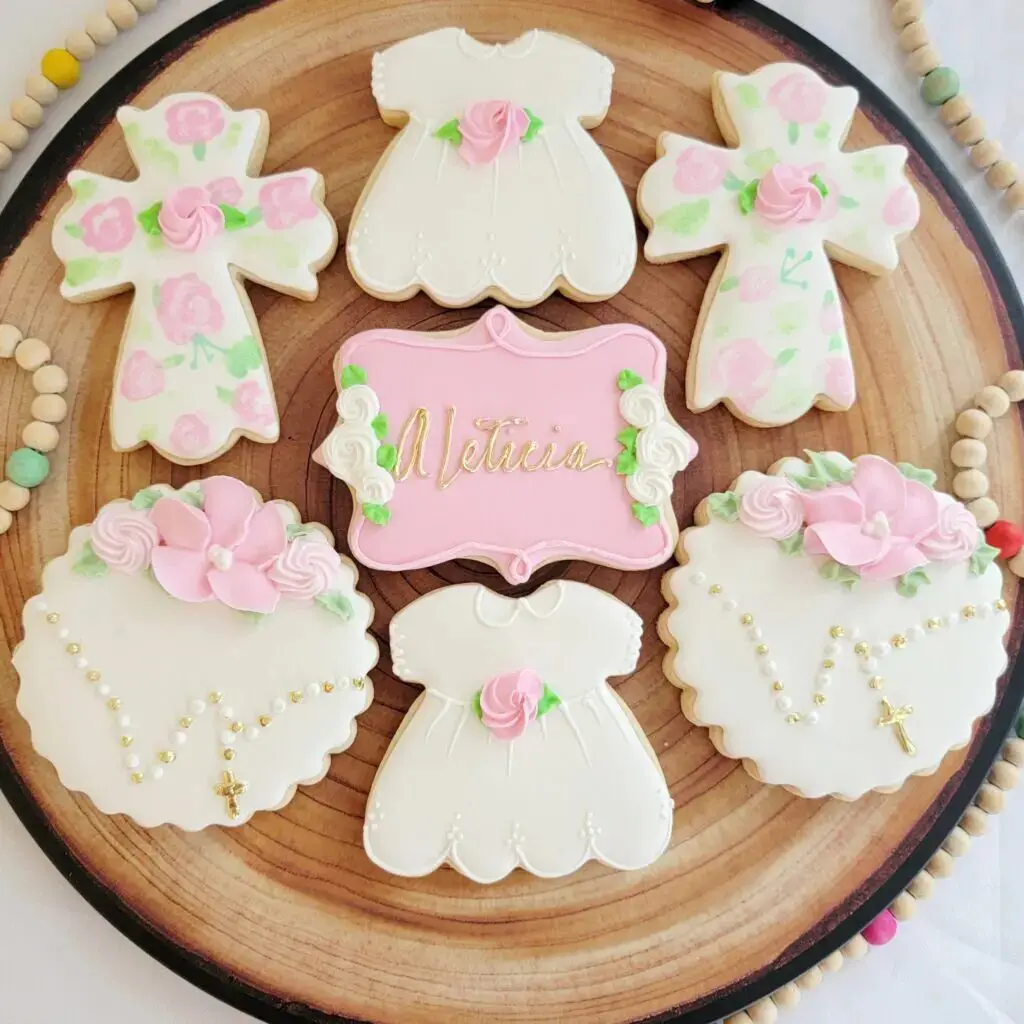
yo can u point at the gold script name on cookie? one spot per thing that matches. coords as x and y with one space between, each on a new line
489 454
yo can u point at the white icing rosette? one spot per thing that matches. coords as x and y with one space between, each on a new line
650 486
642 406
308 567
124 538
772 508
350 452
374 486
358 404
664 446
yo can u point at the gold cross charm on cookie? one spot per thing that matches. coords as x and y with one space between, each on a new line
895 717
231 789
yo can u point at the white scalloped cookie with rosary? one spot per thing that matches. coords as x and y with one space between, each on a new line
838 625
518 753
782 202
494 187
195 655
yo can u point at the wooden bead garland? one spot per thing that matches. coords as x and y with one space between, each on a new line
29 466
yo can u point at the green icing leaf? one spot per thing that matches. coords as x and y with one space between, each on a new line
626 464
84 189
628 379
762 161
387 456
922 476
732 183
724 505
748 95
785 356
475 705
533 127
74 230
293 530
352 375
848 203
149 219
147 433
255 617
79 272
685 218
793 133
984 555
89 564
793 545
910 582
232 135
728 284
172 361
226 395
233 217
160 154
380 425
747 198
827 468
548 701
199 150
377 514
336 603
242 357
867 165
156 296
789 317
191 496
147 498
648 515
254 216
841 574
829 298
627 438
819 185
835 343
449 132
822 130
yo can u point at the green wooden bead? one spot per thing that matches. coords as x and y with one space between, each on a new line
940 86
27 468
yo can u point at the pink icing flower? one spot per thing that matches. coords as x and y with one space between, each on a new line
189 217
191 121
252 405
786 195
490 127
700 170
223 550
831 320
141 377
744 373
956 535
190 435
285 202
873 524
123 537
839 385
901 208
108 227
799 98
773 508
225 190
757 284
306 568
508 703
187 307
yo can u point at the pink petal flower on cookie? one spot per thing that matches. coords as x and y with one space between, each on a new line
124 538
800 98
189 217
490 127
787 195
839 382
902 208
285 202
508 703
700 170
188 307
252 405
757 284
194 121
108 227
142 377
190 436
744 373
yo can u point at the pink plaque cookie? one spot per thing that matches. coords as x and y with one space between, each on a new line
507 445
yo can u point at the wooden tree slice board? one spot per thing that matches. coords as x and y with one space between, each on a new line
286 917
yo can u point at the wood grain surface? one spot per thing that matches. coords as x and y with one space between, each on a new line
289 904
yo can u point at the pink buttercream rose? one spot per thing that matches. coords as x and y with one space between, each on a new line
123 537
773 508
285 202
191 121
225 190
252 405
141 377
901 208
190 435
508 703
222 551
700 170
956 535
874 524
490 127
744 373
188 307
757 284
108 227
839 384
786 195
799 97
189 217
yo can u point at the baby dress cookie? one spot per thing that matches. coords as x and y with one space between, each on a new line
518 753
192 375
770 339
494 186
501 443
195 655
838 625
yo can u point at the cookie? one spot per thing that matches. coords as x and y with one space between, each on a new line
195 655
197 222
770 341
493 187
508 445
837 625
518 753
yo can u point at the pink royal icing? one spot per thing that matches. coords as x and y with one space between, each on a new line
773 508
124 538
508 703
108 227
308 567
194 121
490 127
799 97
955 537
142 377
189 218
700 170
787 195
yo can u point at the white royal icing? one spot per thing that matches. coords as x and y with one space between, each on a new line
350 449
663 448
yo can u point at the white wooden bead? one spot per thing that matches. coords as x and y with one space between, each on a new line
737 1018
904 907
1012 382
5 520
41 89
12 134
974 821
913 37
9 338
50 380
957 843
49 408
44 437
986 153
905 11
993 400
1013 751
6 156
145 6
970 483
984 510
102 30
941 864
123 14
974 423
764 1012
12 497
1002 174
856 948
923 61
968 453
80 45
990 799
833 962
1004 775
812 979
956 110
1014 196
786 997
969 132
26 111
32 353
922 887
1016 565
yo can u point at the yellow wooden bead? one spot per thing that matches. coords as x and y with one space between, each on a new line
6 156
984 510
13 497
1012 382
923 61
26 111
12 134
41 89
993 400
32 353
1014 196
49 408
955 110
970 132
5 520
969 484
1002 174
79 44
61 68
9 338
123 14
52 380
914 36
43 437
101 28
986 153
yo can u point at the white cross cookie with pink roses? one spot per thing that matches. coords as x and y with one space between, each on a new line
192 374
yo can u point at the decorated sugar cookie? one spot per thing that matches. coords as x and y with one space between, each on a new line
494 186
507 445
770 341
195 655
838 625
518 753
192 374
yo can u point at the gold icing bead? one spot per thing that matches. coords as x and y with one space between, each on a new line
185 722
167 756
794 718
968 611
934 624
778 687
762 649
73 648
53 618
216 697
114 703
237 727
359 683
899 641
328 687
746 620
876 682
714 589
836 632
295 696
93 676
828 663
1000 605
229 754
819 699
264 720
861 649
126 741
137 777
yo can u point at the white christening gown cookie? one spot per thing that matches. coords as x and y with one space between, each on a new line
518 754
194 656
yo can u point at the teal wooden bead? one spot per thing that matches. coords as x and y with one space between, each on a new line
27 468
940 86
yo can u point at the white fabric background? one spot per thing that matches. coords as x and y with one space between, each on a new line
961 961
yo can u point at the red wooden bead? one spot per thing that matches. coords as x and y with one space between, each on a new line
1006 536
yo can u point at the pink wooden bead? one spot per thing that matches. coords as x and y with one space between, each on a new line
882 930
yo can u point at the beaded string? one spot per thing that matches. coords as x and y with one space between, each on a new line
61 68
28 467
